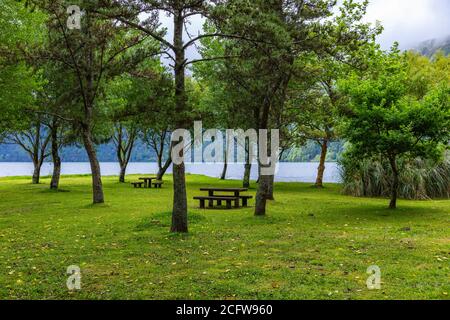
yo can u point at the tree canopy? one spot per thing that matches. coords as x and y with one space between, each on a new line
392 117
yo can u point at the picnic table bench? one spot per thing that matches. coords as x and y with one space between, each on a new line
147 181
157 184
137 184
219 200
236 197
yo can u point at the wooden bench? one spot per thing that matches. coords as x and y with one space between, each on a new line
137 184
228 199
157 184
243 198
147 181
236 193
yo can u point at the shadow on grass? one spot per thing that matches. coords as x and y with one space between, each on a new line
307 188
55 191
164 220
263 220
95 205
380 211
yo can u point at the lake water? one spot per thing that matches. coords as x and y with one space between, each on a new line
286 172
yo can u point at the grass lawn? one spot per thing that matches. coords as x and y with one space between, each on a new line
313 244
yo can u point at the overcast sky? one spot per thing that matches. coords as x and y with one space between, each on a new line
406 21
410 21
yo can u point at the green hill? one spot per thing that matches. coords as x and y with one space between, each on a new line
430 47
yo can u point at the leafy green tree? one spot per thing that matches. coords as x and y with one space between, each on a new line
124 138
120 95
140 104
222 103
53 101
284 34
156 121
91 55
426 73
18 80
33 137
389 119
128 12
21 82
315 103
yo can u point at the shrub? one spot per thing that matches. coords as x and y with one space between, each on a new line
419 179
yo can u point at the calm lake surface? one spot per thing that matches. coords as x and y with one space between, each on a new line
294 172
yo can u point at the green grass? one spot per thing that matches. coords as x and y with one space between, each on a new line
313 244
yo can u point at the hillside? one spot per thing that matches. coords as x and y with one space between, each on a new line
430 47
141 153
106 153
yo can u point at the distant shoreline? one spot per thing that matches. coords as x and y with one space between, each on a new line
154 162
286 171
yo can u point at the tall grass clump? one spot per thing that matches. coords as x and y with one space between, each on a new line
419 179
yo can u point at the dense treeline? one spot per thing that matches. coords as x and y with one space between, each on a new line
142 152
92 76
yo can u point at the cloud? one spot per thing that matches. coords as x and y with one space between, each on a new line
410 21
405 21
194 27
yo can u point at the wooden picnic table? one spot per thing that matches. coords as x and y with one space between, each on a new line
236 191
147 181
213 196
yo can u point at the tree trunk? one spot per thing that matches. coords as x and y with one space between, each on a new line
97 186
123 170
321 169
89 96
124 152
270 179
36 172
259 175
247 171
121 154
263 180
162 169
261 195
269 195
223 176
179 213
363 182
54 184
395 183
35 155
247 166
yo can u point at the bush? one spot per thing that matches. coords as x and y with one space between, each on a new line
419 179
